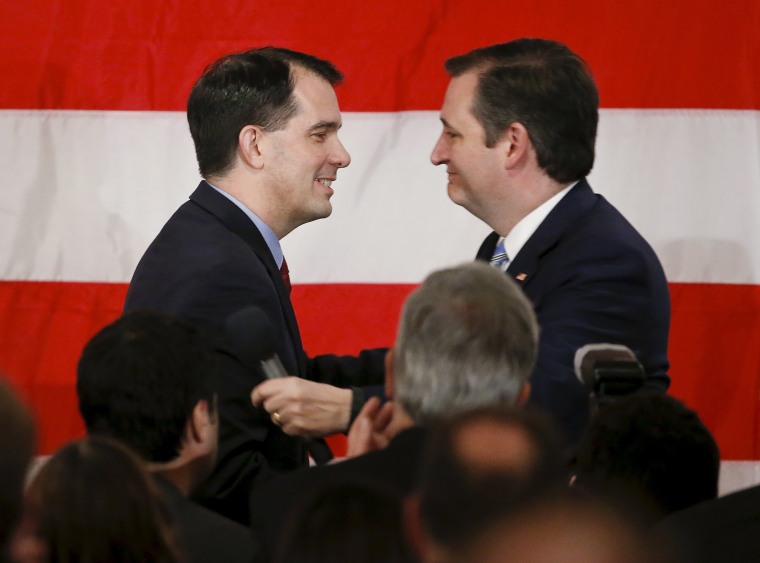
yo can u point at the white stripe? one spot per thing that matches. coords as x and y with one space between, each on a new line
89 190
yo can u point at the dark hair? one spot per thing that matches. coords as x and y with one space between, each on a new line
16 450
346 521
250 88
140 378
93 501
652 447
459 496
548 89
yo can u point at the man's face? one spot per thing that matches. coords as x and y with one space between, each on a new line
303 158
476 172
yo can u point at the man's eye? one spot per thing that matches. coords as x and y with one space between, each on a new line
320 136
451 134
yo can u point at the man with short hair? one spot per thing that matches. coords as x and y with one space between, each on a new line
147 380
467 339
519 127
651 450
265 126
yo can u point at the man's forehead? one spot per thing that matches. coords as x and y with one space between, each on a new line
316 100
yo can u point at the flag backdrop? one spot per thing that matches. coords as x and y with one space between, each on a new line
96 155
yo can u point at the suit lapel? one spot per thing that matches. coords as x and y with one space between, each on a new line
570 208
240 224
567 212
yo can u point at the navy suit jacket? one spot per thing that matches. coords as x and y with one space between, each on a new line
208 262
592 278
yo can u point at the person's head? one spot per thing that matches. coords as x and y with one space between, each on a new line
271 114
562 527
94 501
480 465
147 380
346 521
467 339
651 449
528 102
17 443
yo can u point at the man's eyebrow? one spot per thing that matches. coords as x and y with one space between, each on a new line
446 123
325 125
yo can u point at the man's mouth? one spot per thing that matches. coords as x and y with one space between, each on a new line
325 181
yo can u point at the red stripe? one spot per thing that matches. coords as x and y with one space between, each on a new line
714 341
145 55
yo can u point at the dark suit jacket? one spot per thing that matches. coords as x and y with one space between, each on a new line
592 278
726 529
204 535
208 262
394 467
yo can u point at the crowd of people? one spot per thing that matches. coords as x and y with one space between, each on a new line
471 438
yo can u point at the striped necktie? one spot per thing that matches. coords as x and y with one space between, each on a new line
500 259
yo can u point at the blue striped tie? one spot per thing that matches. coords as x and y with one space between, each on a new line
500 259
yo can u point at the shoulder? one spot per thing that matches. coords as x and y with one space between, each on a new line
208 536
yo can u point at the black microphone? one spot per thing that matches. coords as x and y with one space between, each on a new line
608 370
250 337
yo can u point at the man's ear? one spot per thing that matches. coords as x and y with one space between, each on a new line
249 149
201 427
516 144
390 376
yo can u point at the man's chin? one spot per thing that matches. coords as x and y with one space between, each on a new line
456 194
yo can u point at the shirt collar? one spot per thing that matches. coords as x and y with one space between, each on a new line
526 226
273 243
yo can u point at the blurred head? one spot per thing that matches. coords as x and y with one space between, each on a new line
17 444
93 501
563 527
651 449
481 465
147 380
467 339
346 522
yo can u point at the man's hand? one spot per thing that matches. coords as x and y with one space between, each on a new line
369 430
304 408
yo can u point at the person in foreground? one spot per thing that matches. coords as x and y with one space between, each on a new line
17 445
467 339
93 500
147 381
477 468
265 127
519 129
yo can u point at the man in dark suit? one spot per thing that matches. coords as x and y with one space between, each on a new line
519 127
467 339
265 127
147 380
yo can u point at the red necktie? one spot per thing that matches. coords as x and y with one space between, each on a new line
285 273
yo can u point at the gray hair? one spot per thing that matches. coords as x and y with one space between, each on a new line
467 339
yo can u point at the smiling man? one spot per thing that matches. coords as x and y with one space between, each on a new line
265 126
519 129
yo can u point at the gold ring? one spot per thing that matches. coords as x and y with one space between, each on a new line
276 417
